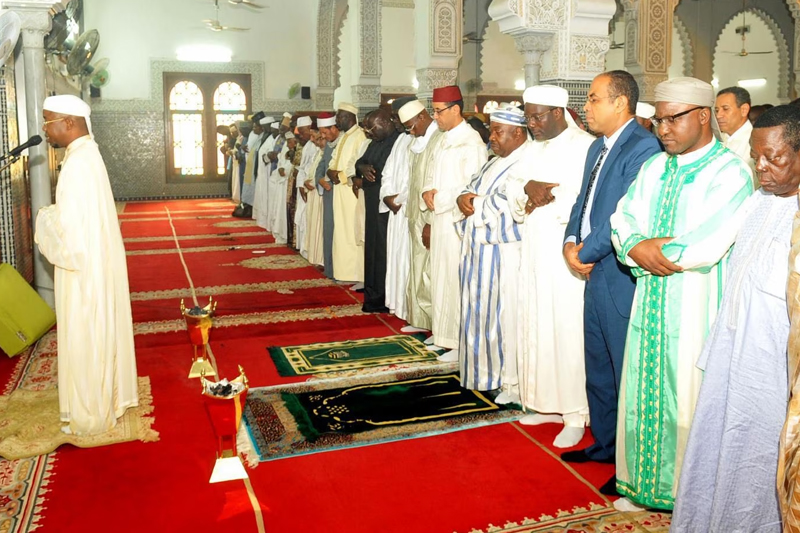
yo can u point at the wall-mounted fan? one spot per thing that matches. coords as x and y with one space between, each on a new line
247 3
97 73
83 52
74 9
744 29
215 25
9 33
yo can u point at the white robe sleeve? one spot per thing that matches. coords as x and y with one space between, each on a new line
470 160
59 228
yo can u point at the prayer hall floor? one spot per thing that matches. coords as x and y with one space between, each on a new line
504 477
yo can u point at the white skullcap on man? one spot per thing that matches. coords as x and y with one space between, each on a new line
549 95
275 125
289 135
508 115
303 122
326 122
689 91
645 110
265 121
347 106
410 110
287 115
67 104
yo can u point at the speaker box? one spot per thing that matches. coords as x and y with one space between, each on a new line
94 92
305 93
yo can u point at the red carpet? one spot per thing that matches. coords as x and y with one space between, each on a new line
460 482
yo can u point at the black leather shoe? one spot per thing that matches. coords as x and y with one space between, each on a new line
238 212
580 456
248 211
609 488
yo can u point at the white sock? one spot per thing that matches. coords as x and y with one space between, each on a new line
448 357
627 506
505 398
434 348
569 437
429 340
357 286
537 419
66 430
411 329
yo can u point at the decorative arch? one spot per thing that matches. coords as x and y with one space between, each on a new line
686 45
330 19
781 46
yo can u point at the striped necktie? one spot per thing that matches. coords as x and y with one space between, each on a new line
592 179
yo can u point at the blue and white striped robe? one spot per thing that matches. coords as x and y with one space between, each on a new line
490 248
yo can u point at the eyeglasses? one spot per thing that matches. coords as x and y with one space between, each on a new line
46 122
594 100
411 127
539 117
440 111
670 120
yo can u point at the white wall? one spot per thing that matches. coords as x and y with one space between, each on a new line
678 56
730 68
501 64
397 47
131 33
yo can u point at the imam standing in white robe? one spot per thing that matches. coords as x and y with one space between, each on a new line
80 236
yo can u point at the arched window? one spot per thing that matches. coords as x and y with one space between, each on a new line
230 105
186 123
195 105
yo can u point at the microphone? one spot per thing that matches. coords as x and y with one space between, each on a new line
33 141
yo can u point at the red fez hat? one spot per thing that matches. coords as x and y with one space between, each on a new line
450 93
326 114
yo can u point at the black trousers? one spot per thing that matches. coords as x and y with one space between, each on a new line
376 227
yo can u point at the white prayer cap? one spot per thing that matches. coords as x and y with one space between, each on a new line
303 122
508 115
689 91
264 121
67 104
645 110
410 110
275 125
550 95
347 106
326 122
289 135
287 115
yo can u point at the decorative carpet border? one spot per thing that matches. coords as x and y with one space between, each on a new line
171 238
269 317
182 211
163 251
269 286
23 485
593 518
163 219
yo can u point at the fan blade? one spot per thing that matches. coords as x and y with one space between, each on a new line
751 53
232 28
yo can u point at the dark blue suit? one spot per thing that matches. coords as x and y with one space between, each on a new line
609 291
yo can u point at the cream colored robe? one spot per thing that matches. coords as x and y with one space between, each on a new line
348 254
80 236
461 154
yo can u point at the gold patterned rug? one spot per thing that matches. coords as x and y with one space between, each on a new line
30 425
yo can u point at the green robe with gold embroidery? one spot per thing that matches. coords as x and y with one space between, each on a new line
693 198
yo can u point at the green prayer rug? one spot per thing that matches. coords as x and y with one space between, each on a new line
344 356
308 418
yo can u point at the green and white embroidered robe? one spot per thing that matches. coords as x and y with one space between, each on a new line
693 198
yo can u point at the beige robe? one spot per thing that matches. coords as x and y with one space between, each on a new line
313 236
461 154
348 254
80 236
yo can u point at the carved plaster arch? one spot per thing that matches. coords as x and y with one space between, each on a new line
781 46
686 45
330 20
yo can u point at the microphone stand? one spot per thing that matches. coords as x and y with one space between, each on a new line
10 162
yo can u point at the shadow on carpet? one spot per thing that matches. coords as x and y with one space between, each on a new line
30 424
313 417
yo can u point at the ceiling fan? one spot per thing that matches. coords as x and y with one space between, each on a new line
744 29
215 25
247 3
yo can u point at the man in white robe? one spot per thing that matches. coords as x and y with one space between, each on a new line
261 200
394 196
248 192
277 202
348 253
490 249
550 350
732 108
314 191
309 151
731 461
460 156
80 236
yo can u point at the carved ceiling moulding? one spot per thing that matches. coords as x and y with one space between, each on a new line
431 78
588 54
545 14
370 37
446 24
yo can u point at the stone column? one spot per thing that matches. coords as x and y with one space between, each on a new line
36 23
438 31
794 7
648 42
367 92
532 45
